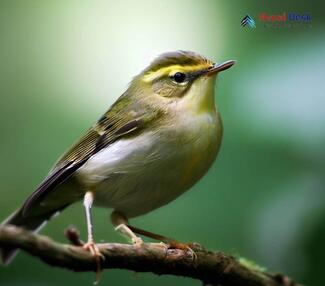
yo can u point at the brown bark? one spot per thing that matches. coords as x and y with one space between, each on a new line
212 268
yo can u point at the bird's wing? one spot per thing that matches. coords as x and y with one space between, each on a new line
124 118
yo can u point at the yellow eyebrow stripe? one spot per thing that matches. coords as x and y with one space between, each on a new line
152 75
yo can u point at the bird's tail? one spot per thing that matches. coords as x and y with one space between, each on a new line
32 223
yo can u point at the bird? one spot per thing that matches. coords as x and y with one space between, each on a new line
153 144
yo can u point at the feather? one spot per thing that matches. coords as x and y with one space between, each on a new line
124 118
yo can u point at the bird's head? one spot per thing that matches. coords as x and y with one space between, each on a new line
182 76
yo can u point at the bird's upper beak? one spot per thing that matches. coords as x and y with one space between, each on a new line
220 67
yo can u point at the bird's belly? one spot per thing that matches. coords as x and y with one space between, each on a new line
139 174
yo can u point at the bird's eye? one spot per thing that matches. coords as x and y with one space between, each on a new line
179 77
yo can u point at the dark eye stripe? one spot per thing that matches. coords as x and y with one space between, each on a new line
180 77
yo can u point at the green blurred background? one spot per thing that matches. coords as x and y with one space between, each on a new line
64 62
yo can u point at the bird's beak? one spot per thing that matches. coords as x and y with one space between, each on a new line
220 67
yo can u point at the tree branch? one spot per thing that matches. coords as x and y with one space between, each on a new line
213 268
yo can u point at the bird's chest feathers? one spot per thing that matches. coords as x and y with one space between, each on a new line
199 146
141 173
175 154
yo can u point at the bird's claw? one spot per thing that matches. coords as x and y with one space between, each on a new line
95 252
187 247
137 241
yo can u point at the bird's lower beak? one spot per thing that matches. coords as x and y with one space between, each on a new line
220 67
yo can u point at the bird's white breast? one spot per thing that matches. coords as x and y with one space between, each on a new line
138 174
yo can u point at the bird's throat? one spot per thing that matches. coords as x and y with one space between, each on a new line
200 97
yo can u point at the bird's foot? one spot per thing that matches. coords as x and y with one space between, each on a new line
137 241
186 247
94 250
127 232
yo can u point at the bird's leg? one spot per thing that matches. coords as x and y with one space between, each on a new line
90 245
172 243
120 222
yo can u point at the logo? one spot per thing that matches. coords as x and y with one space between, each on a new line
248 21
282 20
285 20
285 17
